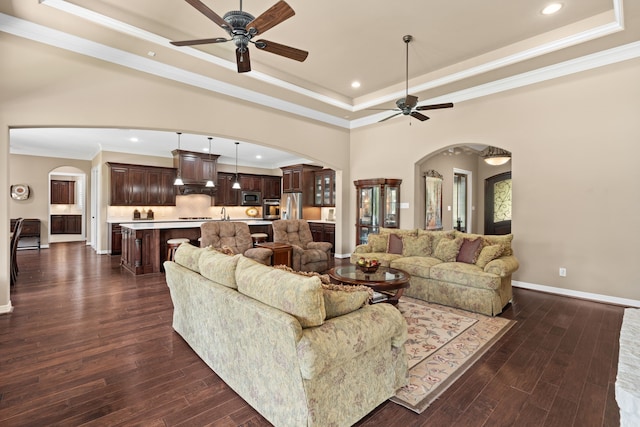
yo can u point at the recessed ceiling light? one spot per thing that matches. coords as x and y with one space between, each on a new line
355 84
133 139
258 156
151 53
551 8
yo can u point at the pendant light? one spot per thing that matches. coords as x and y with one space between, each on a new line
236 185
178 180
210 181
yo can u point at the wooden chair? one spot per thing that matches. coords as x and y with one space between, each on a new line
13 247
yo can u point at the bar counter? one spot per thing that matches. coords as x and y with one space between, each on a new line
144 242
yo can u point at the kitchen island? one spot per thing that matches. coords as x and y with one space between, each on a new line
144 243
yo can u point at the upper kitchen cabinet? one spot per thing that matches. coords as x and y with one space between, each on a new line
300 179
271 187
63 192
225 195
250 182
137 185
195 168
325 188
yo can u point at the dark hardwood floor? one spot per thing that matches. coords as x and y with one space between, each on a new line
89 344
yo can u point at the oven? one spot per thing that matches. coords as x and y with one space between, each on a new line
271 209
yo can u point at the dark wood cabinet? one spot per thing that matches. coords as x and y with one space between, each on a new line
323 232
377 205
195 168
116 239
63 192
66 224
225 195
140 250
271 187
251 182
30 233
324 188
138 185
300 179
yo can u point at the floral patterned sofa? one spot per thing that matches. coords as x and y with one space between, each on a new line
468 271
300 353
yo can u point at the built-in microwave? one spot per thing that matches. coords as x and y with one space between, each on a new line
251 198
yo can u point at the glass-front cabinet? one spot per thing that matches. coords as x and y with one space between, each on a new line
377 205
325 188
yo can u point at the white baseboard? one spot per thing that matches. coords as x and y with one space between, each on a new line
341 255
6 309
577 294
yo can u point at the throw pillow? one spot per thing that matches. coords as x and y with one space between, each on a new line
447 249
416 245
378 242
469 250
342 299
395 244
488 254
502 240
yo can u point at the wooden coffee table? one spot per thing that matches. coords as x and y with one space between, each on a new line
385 280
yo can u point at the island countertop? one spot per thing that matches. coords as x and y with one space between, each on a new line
171 224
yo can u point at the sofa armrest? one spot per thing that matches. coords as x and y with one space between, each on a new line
262 255
503 266
323 246
362 249
345 337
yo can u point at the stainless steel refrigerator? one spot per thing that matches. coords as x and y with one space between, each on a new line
291 206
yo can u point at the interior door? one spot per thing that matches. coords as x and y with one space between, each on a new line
497 204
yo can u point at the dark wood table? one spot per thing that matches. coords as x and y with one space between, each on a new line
386 280
282 252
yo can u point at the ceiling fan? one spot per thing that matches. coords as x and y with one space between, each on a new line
243 26
408 105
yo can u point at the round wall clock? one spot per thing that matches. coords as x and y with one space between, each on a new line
252 212
20 192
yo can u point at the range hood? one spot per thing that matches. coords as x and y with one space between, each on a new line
187 189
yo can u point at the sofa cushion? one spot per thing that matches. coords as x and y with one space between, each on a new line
488 254
436 236
378 242
462 273
342 299
416 266
188 256
469 250
447 249
219 267
416 245
292 293
399 231
394 245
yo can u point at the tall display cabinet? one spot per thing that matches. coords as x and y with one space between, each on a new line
377 205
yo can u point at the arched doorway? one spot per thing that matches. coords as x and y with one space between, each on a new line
67 204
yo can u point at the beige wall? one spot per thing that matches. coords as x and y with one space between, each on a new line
34 171
574 142
575 148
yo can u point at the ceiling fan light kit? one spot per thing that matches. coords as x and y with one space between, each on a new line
242 27
408 105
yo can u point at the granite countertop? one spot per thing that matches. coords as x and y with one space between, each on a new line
183 223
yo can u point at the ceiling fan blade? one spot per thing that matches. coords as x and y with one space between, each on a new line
411 101
202 8
199 41
434 106
282 50
391 116
243 61
419 116
277 13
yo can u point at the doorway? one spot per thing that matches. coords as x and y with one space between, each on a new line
497 204
67 205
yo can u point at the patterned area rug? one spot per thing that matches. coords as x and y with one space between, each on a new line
443 343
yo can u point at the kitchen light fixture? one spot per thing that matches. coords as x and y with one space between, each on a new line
210 181
178 180
495 156
551 8
236 185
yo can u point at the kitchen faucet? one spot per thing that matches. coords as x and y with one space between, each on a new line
223 212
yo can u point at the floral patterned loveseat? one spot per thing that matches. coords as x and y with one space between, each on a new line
468 271
300 353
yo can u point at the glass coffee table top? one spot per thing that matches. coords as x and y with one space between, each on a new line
383 280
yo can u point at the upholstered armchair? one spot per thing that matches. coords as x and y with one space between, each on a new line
234 236
307 254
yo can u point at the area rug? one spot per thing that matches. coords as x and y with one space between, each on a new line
443 343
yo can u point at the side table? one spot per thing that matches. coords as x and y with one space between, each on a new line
282 252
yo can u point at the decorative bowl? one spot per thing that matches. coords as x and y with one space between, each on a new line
368 269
